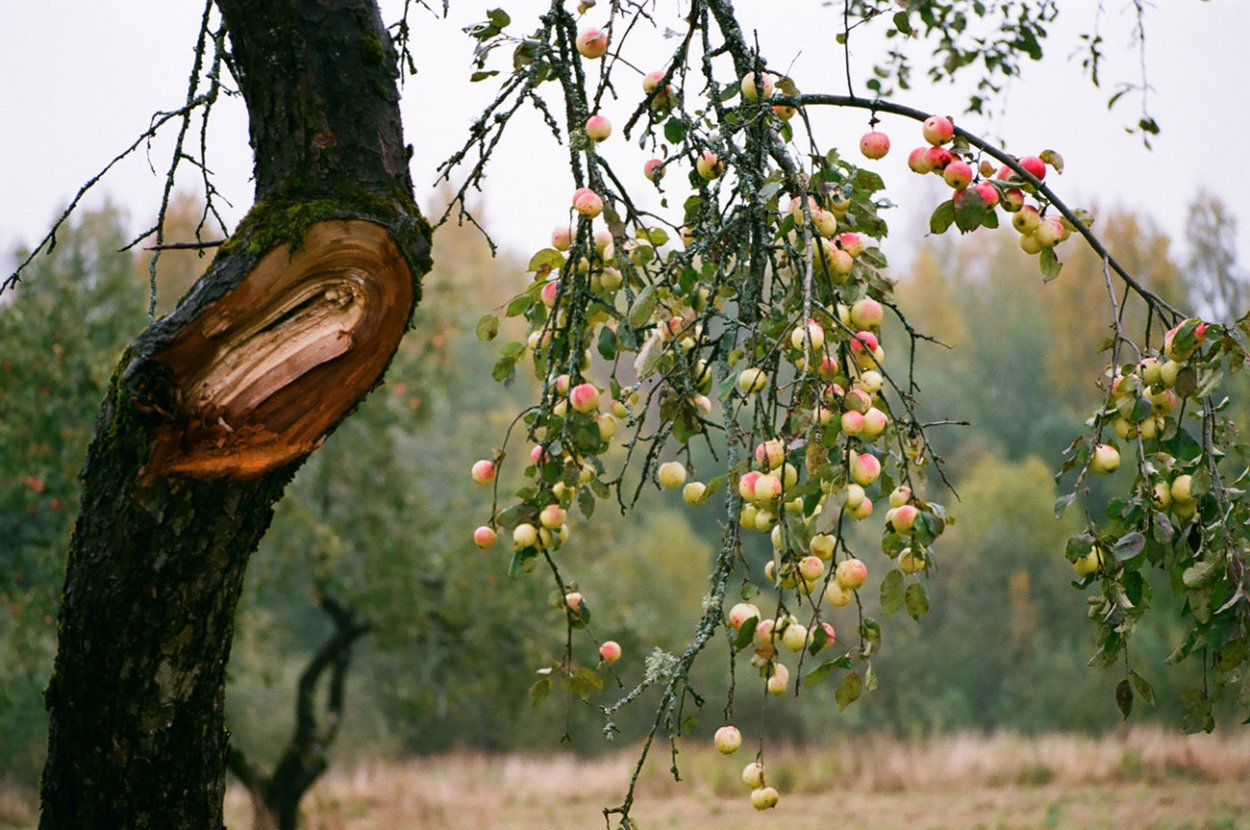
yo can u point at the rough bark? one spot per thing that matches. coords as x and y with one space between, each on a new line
213 408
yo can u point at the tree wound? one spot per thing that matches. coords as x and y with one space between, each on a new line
273 364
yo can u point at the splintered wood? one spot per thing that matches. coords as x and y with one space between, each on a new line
272 365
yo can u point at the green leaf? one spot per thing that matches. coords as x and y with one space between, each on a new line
970 209
916 600
644 304
942 217
1196 712
746 634
1128 546
1142 687
892 592
1199 574
483 75
607 343
817 675
1063 502
1124 698
487 327
749 589
675 130
902 23
1050 264
585 682
540 689
849 690
519 305
586 502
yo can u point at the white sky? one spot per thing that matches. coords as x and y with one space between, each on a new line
79 80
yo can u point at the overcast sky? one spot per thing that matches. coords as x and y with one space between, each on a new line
79 80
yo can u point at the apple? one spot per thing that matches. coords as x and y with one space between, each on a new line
653 170
584 397
562 238
770 454
741 614
785 113
484 537
778 680
851 573
727 740
694 493
753 775
598 128
837 595
900 496
863 342
874 145
811 568
830 636
794 637
1105 459
587 203
989 193
671 475
918 160
752 380
767 487
852 423
854 496
751 91
573 601
1161 494
825 222
525 535
870 381
1034 166
867 313
746 484
552 516
937 130
592 43
607 426
958 174
764 798
1049 232
875 422
610 651
1182 489
1089 563
938 158
905 517
865 469
809 337
852 243
1030 244
1026 220
1013 199
910 562
483 471
709 165
822 546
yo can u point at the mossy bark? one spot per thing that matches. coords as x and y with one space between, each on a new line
169 519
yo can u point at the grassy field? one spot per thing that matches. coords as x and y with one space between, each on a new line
1141 779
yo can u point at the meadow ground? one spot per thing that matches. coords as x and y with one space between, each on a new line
1131 781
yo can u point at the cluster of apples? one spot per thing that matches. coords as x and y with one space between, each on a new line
1143 400
994 188
594 290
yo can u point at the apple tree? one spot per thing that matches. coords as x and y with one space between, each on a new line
734 346
739 344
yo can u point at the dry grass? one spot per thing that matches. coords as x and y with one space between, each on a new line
1140 779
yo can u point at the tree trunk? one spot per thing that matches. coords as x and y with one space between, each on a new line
213 408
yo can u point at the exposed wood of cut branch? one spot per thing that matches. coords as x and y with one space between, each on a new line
273 364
